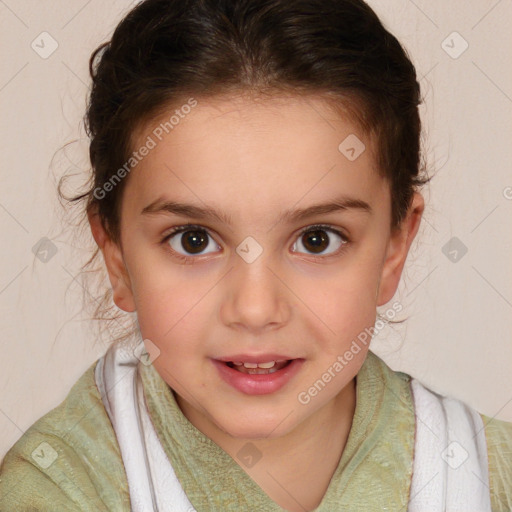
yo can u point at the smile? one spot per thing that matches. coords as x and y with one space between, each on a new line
254 378
259 368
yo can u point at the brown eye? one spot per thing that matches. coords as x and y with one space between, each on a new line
317 240
190 241
194 241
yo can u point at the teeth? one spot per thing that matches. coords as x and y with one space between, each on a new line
258 368
251 365
268 365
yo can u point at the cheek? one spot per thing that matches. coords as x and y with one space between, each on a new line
343 300
170 309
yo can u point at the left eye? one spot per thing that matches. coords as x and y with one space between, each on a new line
317 240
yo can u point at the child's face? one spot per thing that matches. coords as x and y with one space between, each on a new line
305 297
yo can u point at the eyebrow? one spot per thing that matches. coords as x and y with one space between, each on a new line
342 203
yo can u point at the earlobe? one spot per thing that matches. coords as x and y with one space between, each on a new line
122 293
397 250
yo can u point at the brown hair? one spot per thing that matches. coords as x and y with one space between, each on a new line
164 51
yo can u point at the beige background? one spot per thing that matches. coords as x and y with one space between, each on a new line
458 336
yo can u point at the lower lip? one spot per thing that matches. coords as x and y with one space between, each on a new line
258 384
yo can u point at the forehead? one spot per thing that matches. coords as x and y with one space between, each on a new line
245 150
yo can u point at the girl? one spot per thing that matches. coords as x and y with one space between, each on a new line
255 193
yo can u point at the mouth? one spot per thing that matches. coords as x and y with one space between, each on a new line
258 375
258 368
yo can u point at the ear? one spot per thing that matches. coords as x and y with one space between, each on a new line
398 247
114 261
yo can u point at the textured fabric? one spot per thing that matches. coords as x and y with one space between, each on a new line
374 472
499 451
450 468
76 464
151 479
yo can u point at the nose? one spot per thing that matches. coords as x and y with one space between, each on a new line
255 298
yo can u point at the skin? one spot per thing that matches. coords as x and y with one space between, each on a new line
253 159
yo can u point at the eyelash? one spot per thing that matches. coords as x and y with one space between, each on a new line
190 227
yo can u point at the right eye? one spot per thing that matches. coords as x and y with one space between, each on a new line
192 240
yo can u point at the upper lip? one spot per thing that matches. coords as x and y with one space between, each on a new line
254 358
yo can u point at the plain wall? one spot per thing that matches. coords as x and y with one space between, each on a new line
457 339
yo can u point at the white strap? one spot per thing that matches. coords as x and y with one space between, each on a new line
450 467
152 482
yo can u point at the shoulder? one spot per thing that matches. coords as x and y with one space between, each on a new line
69 459
499 451
498 435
